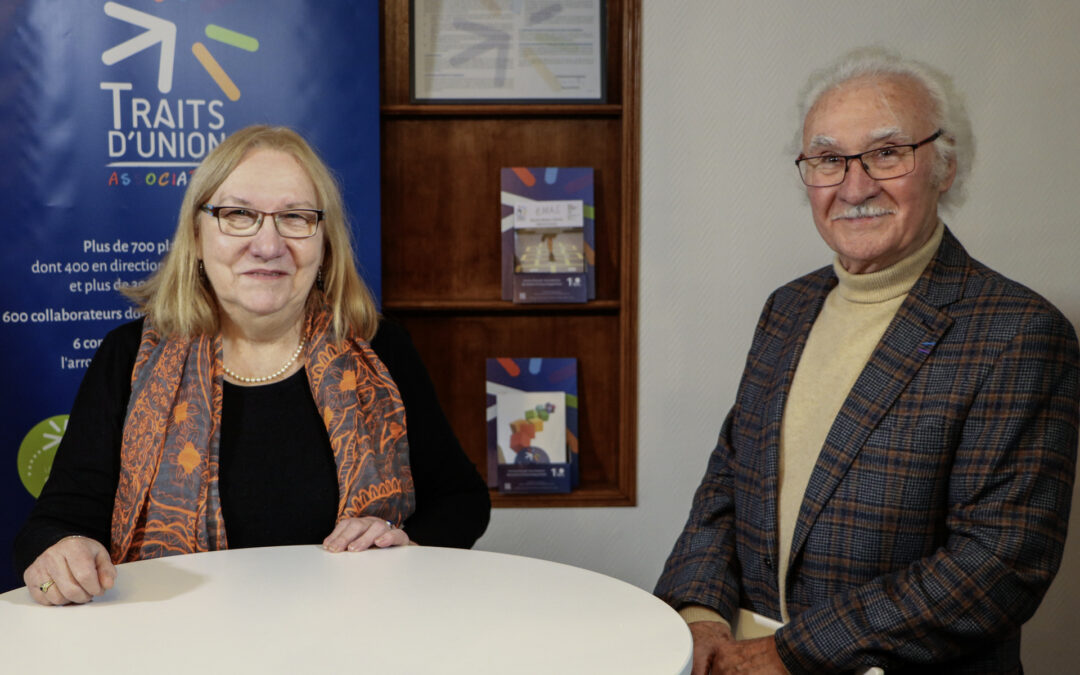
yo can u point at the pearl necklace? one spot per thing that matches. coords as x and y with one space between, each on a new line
272 376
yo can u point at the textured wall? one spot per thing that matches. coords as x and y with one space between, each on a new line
724 222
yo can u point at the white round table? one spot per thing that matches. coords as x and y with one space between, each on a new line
299 609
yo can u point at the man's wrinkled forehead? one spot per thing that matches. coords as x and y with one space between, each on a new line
866 111
891 135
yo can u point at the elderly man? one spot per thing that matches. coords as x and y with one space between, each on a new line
894 480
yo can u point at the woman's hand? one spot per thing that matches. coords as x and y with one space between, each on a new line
74 569
358 534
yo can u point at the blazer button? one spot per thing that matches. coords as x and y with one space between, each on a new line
768 563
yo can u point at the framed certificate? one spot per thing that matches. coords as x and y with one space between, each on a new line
507 51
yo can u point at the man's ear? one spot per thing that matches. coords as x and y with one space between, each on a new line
950 176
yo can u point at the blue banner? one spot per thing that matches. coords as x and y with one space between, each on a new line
106 108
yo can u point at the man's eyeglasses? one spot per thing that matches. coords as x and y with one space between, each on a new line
890 161
241 221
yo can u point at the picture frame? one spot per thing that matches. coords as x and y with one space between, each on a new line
507 52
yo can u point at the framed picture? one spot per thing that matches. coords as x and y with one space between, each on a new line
507 51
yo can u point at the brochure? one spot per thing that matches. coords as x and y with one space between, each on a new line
548 234
532 418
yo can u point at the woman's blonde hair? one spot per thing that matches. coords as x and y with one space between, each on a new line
178 299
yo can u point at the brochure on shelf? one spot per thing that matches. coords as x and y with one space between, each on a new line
548 234
532 424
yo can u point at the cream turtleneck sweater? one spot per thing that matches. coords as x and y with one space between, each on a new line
851 323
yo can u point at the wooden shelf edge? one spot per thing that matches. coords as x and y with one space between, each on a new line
583 497
501 110
499 307
631 204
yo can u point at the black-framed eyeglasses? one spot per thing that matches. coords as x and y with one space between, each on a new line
242 221
890 161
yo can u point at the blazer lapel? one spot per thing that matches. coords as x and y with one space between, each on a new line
907 343
786 362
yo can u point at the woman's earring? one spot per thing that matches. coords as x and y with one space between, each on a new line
202 271
319 280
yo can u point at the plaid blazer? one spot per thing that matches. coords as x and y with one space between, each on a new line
935 517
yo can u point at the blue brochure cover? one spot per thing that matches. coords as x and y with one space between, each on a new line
532 424
548 234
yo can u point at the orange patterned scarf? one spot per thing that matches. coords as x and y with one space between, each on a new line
168 502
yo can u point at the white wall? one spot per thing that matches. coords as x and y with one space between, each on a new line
724 222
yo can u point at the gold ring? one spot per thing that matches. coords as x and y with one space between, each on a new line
46 586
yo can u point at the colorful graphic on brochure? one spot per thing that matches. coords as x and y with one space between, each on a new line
532 424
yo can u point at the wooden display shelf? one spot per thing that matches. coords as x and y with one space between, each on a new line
441 250
585 495
497 307
501 110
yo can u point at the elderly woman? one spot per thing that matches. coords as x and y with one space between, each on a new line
248 407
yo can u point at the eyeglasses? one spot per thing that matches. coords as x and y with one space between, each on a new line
241 221
890 161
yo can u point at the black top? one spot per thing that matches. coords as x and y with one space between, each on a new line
277 475
268 453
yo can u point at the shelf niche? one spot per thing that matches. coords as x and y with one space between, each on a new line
441 250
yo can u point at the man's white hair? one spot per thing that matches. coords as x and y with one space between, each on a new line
949 113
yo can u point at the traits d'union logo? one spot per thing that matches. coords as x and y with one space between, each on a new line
162 32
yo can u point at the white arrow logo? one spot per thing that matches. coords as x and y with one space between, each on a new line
157 30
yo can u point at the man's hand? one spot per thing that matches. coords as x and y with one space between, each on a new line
74 569
717 653
710 638
750 656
